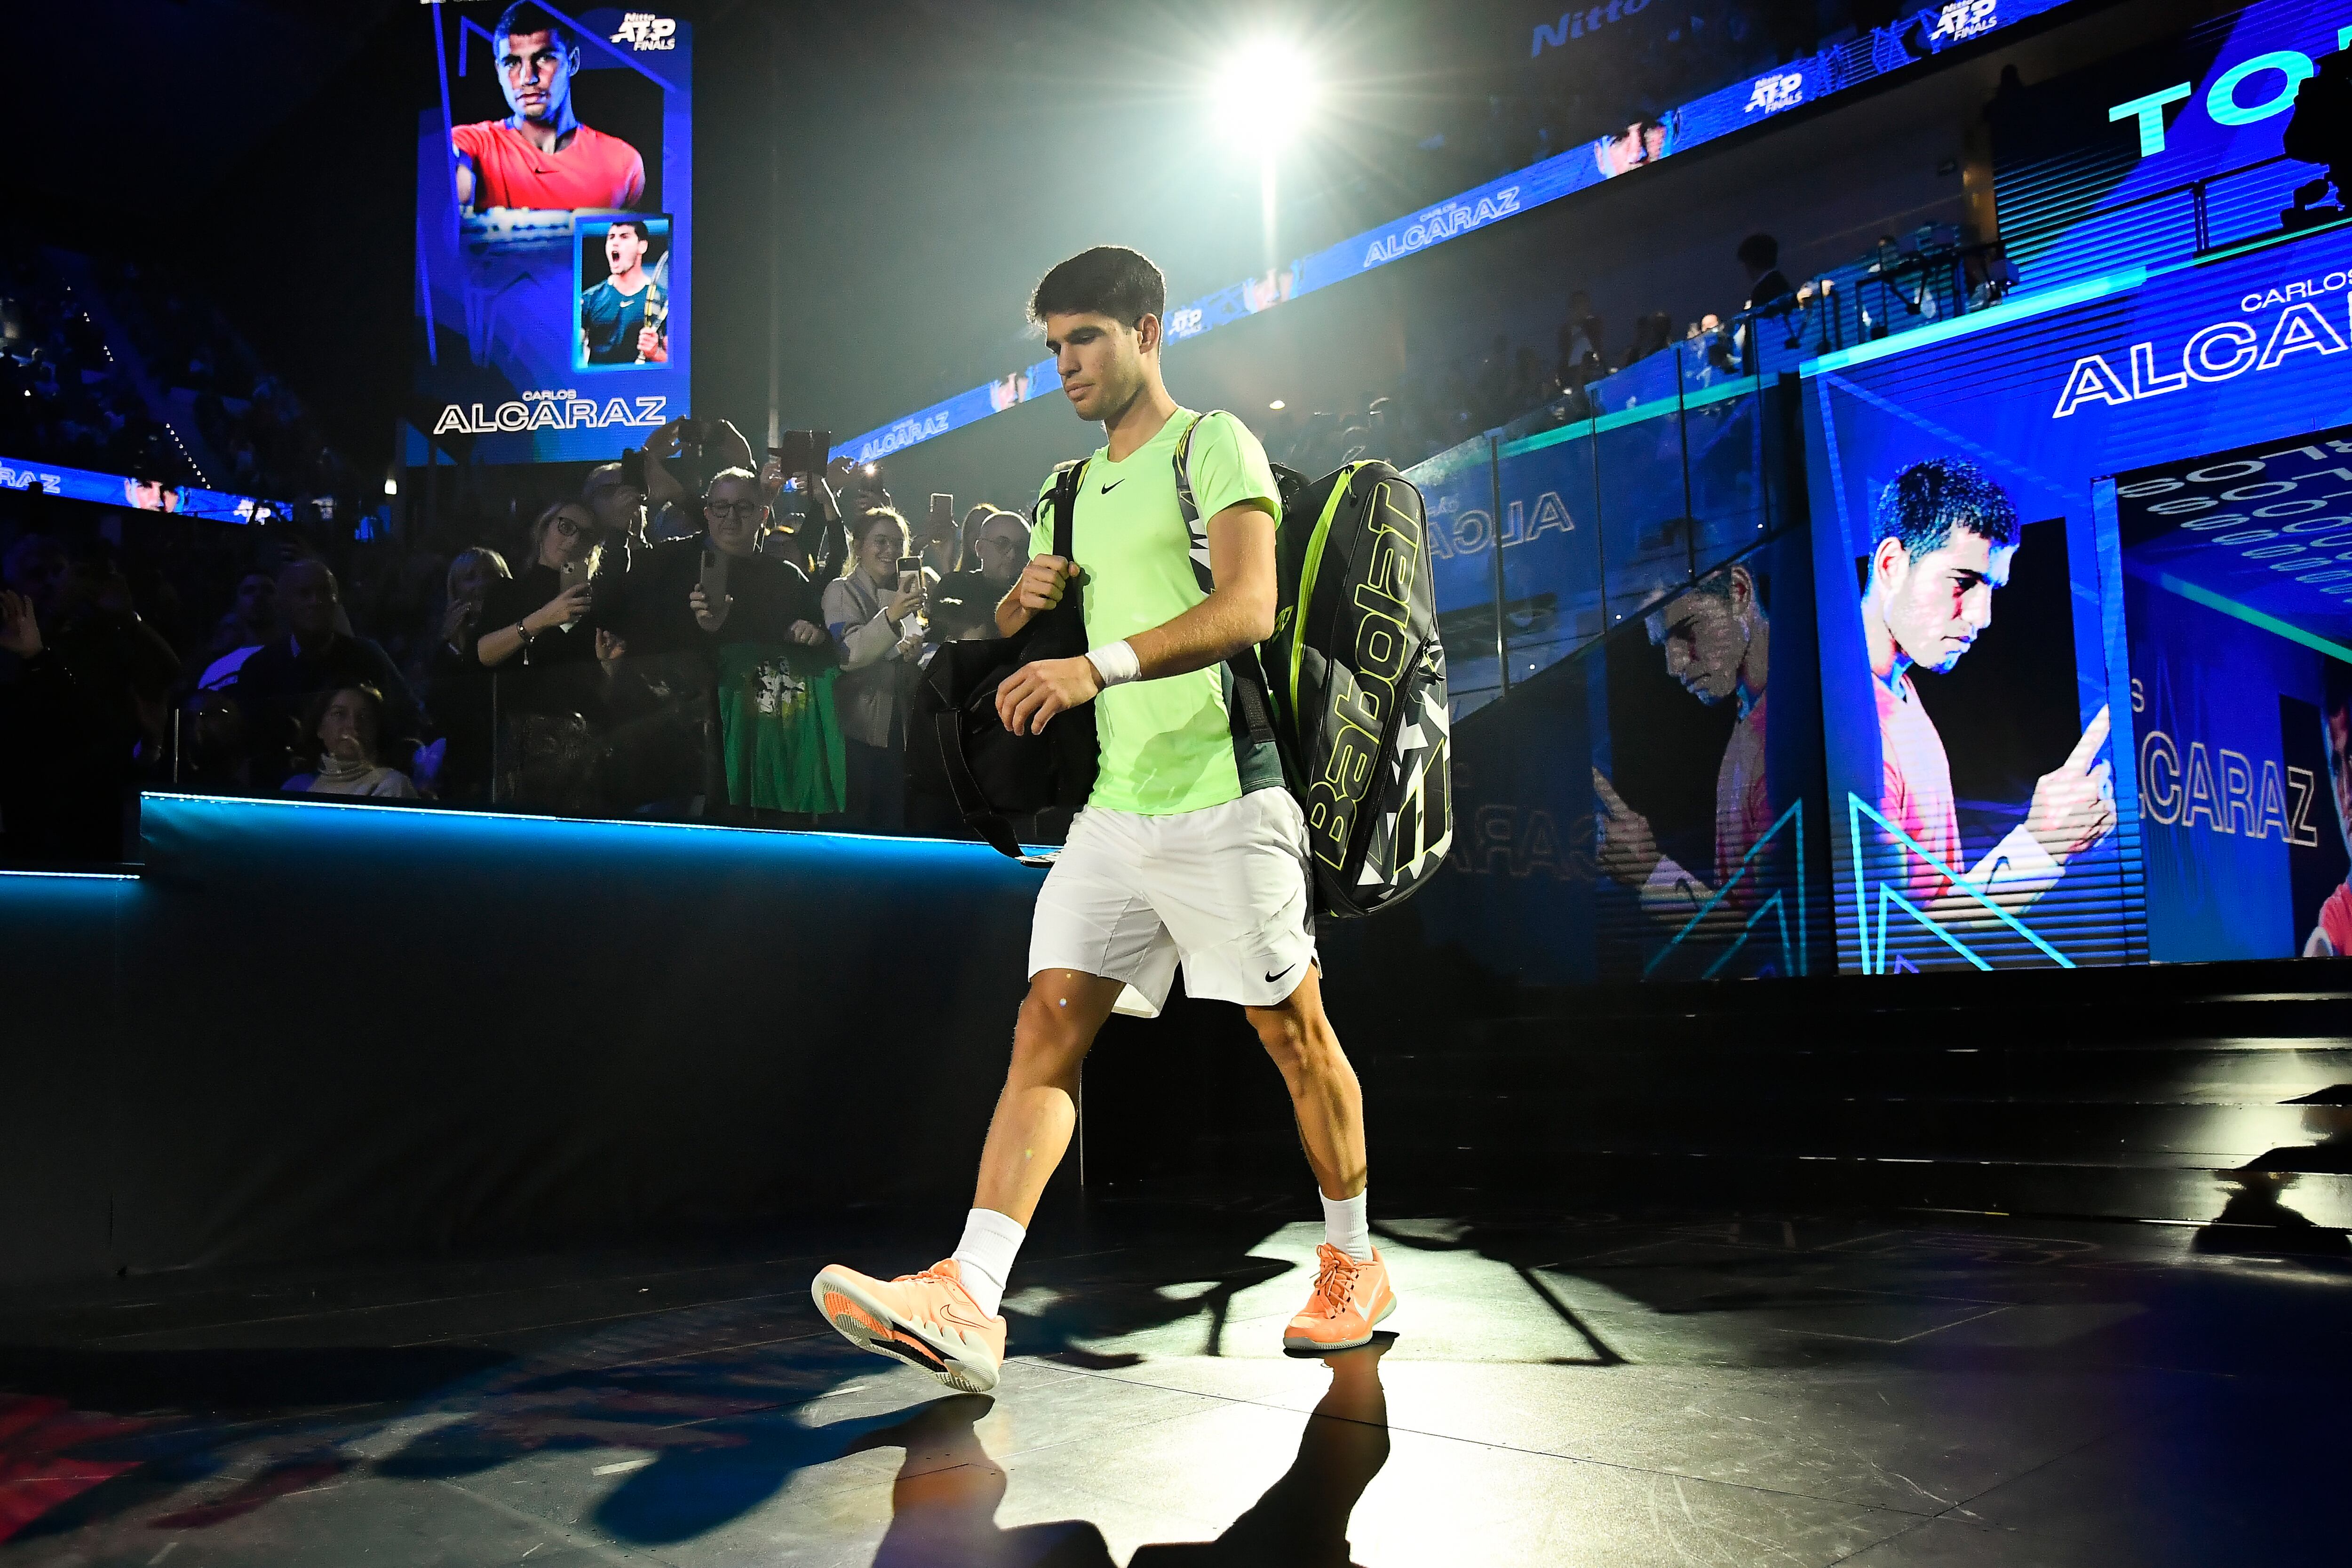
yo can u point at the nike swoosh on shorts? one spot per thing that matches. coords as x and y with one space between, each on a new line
1280 972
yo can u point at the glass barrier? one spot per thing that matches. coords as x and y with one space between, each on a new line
1552 530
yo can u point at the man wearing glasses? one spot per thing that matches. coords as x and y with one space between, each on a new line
659 606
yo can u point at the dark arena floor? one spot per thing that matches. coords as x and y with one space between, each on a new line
1588 1388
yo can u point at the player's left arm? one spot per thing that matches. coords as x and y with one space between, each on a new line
1237 614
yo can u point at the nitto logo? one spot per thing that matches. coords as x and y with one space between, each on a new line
642 30
1576 24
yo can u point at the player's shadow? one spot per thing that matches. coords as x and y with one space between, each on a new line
944 1503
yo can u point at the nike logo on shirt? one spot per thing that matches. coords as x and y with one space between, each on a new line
1112 486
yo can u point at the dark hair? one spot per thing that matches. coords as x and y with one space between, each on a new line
2335 689
1759 250
523 17
864 523
372 699
642 226
731 473
1109 281
1921 505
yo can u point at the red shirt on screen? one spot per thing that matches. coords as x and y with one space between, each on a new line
1743 804
1916 789
2335 919
594 171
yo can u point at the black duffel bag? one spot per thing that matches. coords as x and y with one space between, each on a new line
996 774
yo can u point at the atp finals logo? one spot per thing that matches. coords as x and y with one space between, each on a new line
642 31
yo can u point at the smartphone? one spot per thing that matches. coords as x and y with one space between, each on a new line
942 515
803 451
910 573
714 580
693 432
633 469
568 576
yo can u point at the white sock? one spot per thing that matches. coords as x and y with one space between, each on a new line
984 1257
1345 1227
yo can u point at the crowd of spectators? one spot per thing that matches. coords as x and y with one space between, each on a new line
70 391
689 635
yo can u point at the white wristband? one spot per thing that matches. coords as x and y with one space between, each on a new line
1116 665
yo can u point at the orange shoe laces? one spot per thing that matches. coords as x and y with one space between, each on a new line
1337 1270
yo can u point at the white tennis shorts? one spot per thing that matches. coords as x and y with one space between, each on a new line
1223 888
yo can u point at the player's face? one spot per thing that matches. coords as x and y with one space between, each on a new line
624 249
536 72
2339 768
1938 604
1099 360
1704 645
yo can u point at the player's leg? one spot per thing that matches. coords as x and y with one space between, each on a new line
1035 1114
1325 1097
1352 1292
1091 940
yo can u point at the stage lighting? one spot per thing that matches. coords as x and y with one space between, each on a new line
1263 96
1278 405
391 485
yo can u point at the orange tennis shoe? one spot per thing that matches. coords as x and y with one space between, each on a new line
928 1321
1350 1299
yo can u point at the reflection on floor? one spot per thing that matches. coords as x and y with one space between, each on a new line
1578 1388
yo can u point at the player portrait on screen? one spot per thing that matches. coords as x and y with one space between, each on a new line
2331 936
624 318
1945 539
541 156
1716 639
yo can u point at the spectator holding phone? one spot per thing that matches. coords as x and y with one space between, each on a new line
874 610
457 690
552 595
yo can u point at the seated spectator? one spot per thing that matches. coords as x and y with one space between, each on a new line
879 631
347 726
1651 333
964 604
122 669
54 804
252 620
282 682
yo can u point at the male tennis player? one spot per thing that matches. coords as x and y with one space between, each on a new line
1189 849
1946 537
540 155
612 325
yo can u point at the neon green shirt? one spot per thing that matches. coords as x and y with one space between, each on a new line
1167 745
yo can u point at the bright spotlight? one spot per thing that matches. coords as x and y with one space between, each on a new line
391 485
1264 95
1278 405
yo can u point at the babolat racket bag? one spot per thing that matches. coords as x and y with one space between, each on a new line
1354 678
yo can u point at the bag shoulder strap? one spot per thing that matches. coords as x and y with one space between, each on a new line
1065 498
1250 713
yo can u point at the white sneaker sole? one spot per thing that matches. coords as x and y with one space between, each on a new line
967 1369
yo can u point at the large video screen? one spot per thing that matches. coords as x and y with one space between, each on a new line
1982 715
2162 152
2236 591
554 231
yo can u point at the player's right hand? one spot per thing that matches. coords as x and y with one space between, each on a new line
1624 847
1042 582
2075 804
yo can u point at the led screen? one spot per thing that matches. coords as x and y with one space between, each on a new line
554 231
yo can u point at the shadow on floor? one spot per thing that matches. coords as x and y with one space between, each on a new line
944 1503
